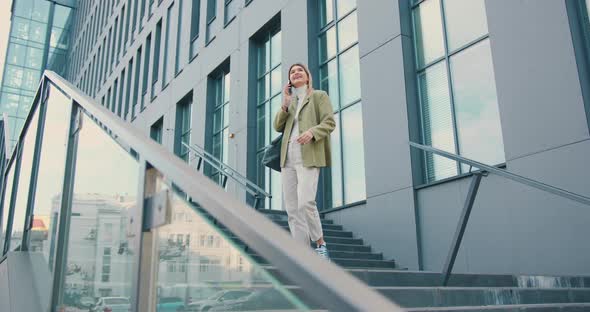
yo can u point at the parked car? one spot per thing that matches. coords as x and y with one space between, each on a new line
112 304
86 302
169 304
261 299
218 299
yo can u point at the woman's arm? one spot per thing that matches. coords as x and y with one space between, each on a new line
326 115
280 120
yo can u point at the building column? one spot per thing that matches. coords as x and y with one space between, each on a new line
388 221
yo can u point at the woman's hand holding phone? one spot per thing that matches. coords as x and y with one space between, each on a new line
286 97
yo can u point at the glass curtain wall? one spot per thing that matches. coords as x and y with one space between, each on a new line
456 83
339 75
32 44
219 90
269 97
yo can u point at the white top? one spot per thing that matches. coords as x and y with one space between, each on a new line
300 94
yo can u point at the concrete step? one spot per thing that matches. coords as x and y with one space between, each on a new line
349 255
481 296
284 218
554 307
333 227
346 262
433 279
334 233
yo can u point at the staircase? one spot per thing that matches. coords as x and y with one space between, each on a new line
419 291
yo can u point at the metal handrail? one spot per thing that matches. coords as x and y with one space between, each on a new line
503 173
474 187
228 171
323 281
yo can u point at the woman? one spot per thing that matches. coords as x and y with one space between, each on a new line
306 120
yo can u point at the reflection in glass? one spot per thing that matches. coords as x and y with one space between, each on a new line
437 120
42 238
99 254
336 167
326 12
329 82
344 6
347 31
328 44
428 32
465 21
354 157
199 268
476 105
26 165
350 76
221 91
269 102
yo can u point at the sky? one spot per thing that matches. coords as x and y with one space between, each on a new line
4 29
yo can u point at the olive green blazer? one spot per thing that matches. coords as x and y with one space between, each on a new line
316 115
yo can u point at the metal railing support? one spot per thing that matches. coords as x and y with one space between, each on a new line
461 226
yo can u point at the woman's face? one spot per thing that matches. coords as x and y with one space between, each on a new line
298 76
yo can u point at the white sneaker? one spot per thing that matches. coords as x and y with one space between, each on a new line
322 251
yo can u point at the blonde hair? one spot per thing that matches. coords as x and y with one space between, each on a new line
309 78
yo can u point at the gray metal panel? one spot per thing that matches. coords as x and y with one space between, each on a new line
513 229
24 274
386 223
378 23
539 96
4 287
387 153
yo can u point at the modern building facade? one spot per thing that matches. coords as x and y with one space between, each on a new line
505 84
498 91
38 40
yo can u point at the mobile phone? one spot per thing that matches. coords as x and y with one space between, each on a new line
290 88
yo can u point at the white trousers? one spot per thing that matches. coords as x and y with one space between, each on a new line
300 186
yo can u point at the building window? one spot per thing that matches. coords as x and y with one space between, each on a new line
182 132
156 63
156 130
178 37
114 43
219 90
120 40
128 89
106 264
231 10
151 8
121 34
123 82
127 22
146 68
114 100
459 107
269 84
136 82
109 55
339 75
108 99
141 14
134 20
211 14
196 12
167 74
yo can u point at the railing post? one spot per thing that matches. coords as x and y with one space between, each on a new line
256 201
461 226
224 180
199 163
